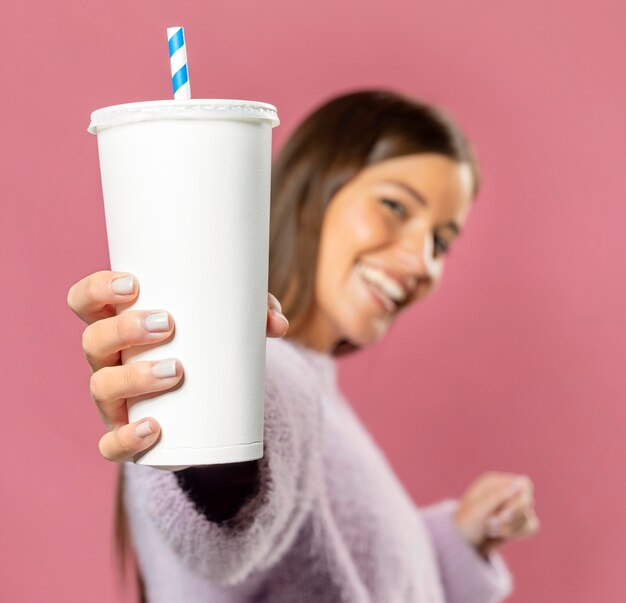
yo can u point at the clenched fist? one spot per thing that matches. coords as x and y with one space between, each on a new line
496 508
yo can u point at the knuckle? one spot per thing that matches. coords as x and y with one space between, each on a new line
123 443
91 287
486 475
94 386
131 378
86 340
126 327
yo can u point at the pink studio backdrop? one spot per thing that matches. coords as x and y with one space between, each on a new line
516 362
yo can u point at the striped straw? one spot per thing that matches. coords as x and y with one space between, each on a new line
178 62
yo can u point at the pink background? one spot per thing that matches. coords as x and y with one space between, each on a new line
515 364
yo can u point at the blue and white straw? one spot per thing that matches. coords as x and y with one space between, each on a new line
178 62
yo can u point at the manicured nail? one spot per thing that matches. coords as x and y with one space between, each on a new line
143 429
505 515
157 322
123 285
516 486
276 310
275 305
493 526
164 368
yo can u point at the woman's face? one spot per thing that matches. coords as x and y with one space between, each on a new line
383 244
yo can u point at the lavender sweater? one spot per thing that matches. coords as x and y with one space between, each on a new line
328 521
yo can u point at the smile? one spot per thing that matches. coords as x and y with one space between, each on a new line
382 300
381 290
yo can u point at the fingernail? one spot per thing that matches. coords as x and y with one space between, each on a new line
516 486
157 322
164 368
275 305
143 429
123 285
505 515
493 526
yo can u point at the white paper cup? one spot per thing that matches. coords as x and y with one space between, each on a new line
186 188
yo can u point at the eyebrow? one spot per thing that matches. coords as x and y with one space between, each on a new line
422 201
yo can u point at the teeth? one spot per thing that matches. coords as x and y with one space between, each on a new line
387 284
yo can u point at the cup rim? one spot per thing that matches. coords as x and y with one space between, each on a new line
195 108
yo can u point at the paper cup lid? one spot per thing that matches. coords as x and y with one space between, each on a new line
197 108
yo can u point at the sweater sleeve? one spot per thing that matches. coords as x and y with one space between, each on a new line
467 577
228 551
219 491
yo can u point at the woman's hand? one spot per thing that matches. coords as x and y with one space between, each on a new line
93 299
496 508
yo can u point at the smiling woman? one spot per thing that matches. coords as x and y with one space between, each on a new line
368 195
370 190
383 247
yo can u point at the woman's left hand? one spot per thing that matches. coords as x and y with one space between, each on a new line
496 508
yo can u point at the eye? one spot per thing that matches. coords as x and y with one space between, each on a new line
441 245
395 206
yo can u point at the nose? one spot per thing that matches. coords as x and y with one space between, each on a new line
417 256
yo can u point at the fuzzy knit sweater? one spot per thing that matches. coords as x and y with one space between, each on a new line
327 520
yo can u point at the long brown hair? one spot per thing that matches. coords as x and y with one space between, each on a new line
329 147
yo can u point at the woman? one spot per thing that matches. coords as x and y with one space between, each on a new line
368 195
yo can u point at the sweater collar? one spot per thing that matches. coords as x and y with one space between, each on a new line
324 363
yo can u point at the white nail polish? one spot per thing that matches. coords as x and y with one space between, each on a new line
506 515
164 368
275 305
123 285
493 526
515 487
157 322
143 429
